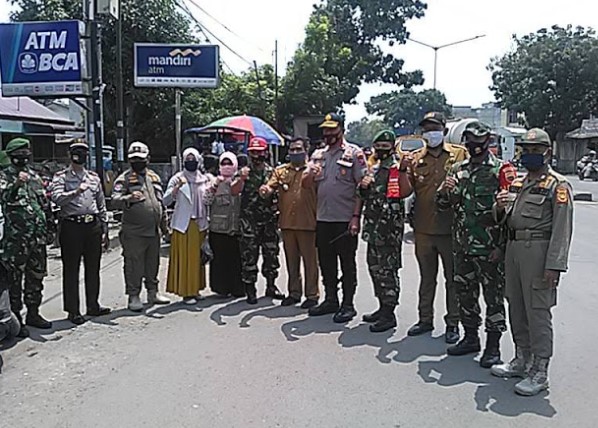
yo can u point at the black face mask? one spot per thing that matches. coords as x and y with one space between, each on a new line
79 158
138 166
20 160
477 149
258 160
331 140
383 154
191 165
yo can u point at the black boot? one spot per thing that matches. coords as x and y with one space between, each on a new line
251 294
324 308
34 319
272 291
23 330
470 344
374 316
386 321
491 354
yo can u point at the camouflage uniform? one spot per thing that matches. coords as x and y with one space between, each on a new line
384 220
475 236
26 236
259 230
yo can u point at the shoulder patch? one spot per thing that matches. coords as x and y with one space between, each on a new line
562 195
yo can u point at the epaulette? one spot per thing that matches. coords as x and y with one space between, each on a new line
559 177
153 175
61 172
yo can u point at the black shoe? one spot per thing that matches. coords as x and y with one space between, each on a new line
373 317
251 294
344 314
273 293
420 328
76 319
491 354
324 308
23 332
252 299
34 319
309 303
290 301
387 320
470 344
100 311
451 335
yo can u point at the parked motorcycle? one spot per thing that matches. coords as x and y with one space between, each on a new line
590 171
584 162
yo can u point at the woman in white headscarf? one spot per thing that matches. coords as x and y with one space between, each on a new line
187 189
225 210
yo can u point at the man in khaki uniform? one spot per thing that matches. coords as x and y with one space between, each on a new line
538 210
138 192
433 230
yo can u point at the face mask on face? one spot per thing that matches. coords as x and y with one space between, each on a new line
191 165
227 171
20 160
297 158
533 161
331 140
258 160
476 149
434 138
138 166
383 153
79 158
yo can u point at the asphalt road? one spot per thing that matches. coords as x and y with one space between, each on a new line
226 364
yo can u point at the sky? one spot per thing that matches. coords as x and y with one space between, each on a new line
462 75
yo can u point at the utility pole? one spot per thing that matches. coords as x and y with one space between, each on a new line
120 106
177 126
276 84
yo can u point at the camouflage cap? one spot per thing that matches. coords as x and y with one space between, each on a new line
477 129
434 117
385 136
333 120
17 144
536 136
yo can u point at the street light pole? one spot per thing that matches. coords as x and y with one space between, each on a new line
437 48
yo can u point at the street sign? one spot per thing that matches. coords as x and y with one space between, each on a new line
176 66
43 59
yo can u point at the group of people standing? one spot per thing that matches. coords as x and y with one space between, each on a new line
471 211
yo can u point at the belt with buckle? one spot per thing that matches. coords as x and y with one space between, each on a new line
529 235
82 219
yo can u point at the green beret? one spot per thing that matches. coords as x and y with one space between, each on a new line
16 144
385 136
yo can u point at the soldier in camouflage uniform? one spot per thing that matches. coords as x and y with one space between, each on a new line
382 191
478 242
9 324
24 246
259 224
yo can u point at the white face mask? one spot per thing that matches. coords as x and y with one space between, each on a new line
434 138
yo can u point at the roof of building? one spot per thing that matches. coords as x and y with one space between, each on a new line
589 129
27 110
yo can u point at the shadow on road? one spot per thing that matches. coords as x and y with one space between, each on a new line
311 325
275 312
406 350
237 308
492 394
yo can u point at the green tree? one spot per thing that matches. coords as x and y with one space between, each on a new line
550 76
342 50
406 108
363 131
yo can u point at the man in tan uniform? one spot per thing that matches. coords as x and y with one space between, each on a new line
433 231
538 210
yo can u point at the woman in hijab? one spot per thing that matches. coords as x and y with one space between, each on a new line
187 189
225 208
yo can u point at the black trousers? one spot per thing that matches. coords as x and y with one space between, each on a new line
225 267
80 241
343 249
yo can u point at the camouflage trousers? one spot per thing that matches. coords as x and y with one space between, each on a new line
471 272
24 259
384 263
259 237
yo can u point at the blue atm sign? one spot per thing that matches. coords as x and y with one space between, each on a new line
176 66
42 58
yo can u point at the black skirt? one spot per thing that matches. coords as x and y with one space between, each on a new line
225 267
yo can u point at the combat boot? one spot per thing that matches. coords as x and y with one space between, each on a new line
536 380
518 367
154 298
34 319
386 321
135 304
491 354
374 316
272 291
251 294
470 344
23 330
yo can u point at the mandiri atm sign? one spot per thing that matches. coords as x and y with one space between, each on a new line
176 66
42 59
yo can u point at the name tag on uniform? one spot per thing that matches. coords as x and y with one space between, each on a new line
393 189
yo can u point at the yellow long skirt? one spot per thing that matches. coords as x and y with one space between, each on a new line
186 274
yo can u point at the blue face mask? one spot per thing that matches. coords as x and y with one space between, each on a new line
532 161
297 158
434 138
